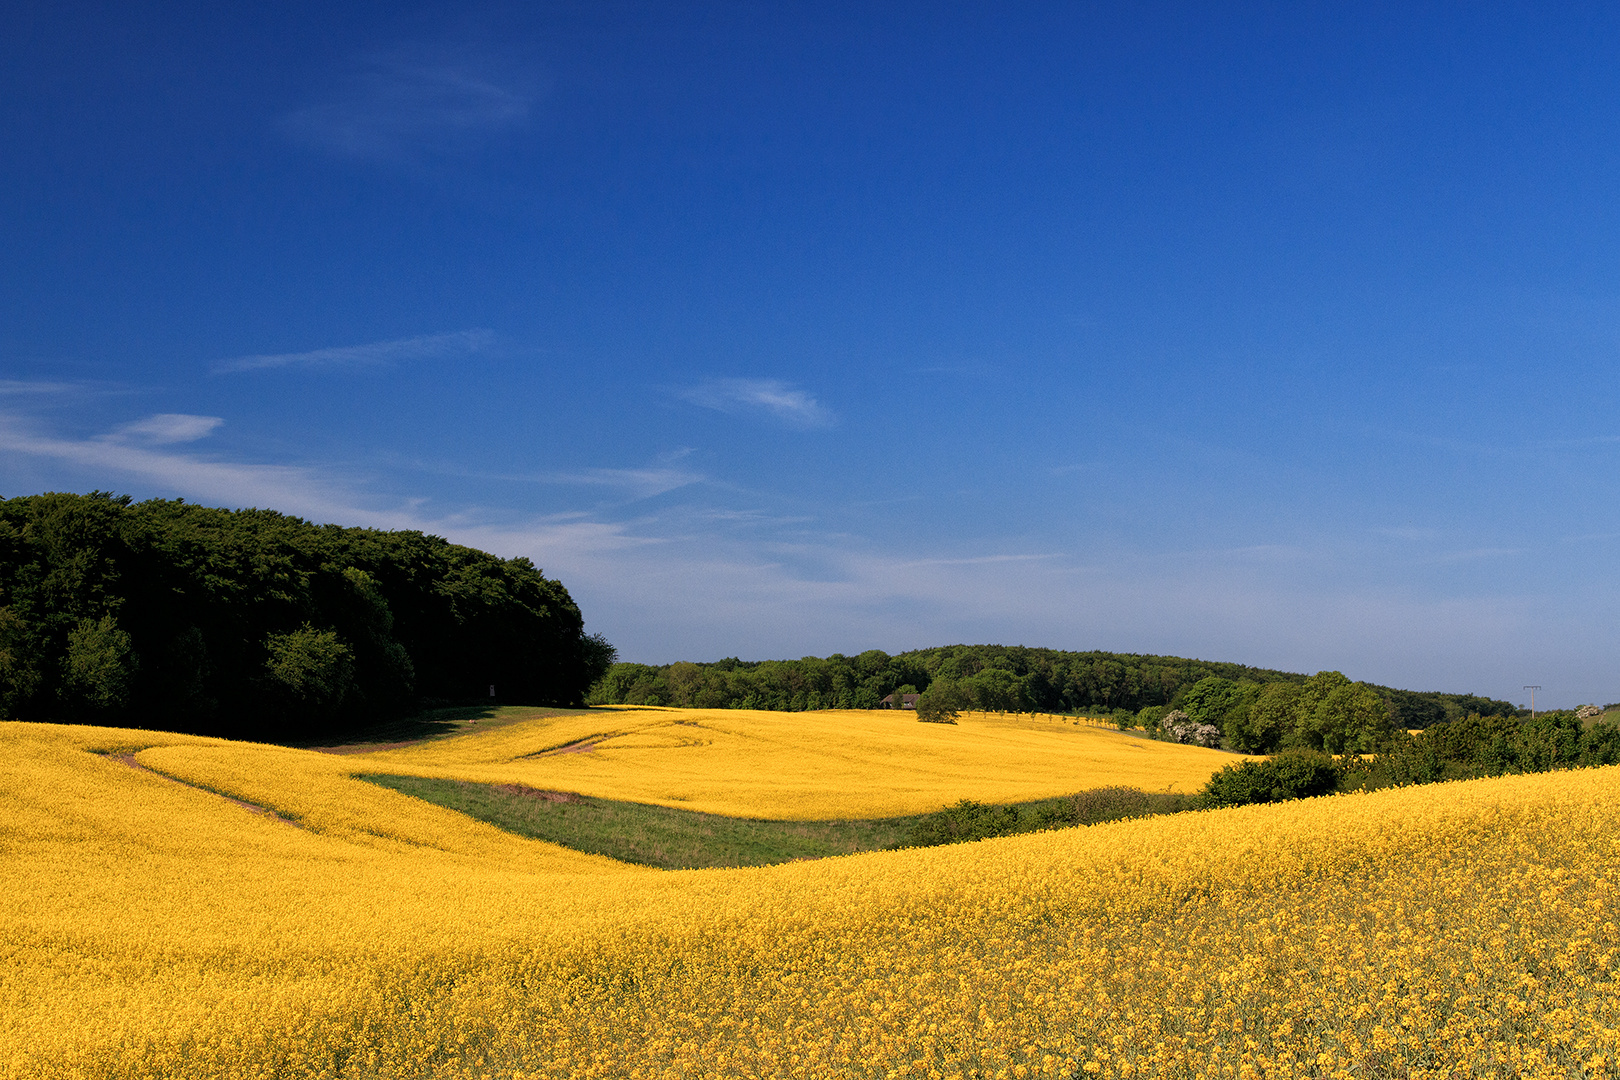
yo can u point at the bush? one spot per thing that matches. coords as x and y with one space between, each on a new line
1107 804
1150 717
1407 759
1294 774
1600 745
1182 728
967 820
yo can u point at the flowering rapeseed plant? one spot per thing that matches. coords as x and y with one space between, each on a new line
153 929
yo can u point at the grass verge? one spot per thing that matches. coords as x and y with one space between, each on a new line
674 839
658 836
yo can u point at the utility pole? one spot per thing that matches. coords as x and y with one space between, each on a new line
1532 690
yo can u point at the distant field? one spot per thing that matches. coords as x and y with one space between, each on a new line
153 925
803 766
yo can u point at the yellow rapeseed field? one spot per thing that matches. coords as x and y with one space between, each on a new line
153 929
807 766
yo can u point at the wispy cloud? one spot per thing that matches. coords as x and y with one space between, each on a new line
1409 532
980 560
1471 554
19 387
642 483
105 460
406 101
377 353
166 428
784 401
664 594
703 584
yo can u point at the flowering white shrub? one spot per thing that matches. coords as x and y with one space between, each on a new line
1184 729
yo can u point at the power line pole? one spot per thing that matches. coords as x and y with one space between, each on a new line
1532 690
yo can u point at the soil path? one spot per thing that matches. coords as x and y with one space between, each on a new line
255 808
580 746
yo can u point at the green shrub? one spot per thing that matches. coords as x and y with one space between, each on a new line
967 820
1293 774
1107 804
1600 745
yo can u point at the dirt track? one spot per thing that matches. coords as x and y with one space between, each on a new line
263 811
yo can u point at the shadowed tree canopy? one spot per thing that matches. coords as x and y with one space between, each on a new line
167 615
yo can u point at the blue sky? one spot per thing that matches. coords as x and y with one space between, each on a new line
1277 334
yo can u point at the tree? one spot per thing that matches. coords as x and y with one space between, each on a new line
994 690
942 701
597 657
1338 716
1212 700
20 677
96 669
1268 720
310 670
200 595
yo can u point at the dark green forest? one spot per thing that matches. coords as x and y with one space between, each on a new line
252 623
1002 678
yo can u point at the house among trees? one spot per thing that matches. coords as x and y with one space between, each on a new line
907 701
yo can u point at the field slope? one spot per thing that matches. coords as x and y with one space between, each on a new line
152 927
803 766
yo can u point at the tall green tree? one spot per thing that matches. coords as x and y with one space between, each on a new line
310 671
1338 716
1269 719
1213 700
98 667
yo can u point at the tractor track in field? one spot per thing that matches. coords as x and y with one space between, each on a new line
578 746
252 808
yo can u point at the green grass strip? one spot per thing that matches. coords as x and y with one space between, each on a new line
674 839
660 836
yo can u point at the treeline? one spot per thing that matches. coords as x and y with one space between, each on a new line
988 677
1473 747
168 615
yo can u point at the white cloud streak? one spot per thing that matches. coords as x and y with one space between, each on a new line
641 483
704 596
290 489
376 354
166 428
20 387
407 101
795 407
